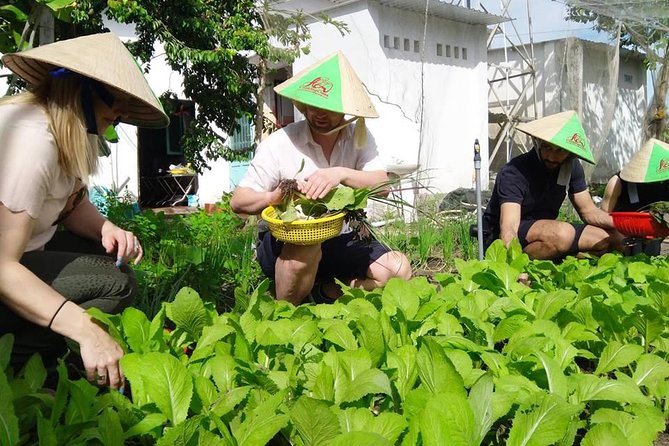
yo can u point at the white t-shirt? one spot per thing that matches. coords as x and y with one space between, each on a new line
31 179
280 155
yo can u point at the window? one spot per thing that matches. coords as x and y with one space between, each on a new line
628 78
416 46
464 53
448 51
439 49
242 138
407 45
456 52
396 43
386 41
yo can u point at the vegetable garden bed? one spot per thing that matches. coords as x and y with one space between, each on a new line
579 357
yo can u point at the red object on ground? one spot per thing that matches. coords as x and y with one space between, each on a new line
639 224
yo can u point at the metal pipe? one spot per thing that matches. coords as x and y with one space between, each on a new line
479 211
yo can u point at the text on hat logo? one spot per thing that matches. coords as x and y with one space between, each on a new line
576 140
320 86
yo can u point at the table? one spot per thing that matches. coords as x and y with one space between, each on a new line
166 190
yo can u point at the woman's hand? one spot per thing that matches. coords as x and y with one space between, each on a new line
101 355
123 242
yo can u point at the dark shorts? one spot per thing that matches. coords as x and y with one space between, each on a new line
343 257
524 229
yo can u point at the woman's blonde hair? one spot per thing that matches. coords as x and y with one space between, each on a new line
61 98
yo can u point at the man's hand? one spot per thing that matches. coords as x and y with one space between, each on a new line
318 184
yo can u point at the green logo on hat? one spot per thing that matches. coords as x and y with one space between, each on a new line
658 165
320 86
571 137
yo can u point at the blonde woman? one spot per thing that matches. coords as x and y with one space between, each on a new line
48 149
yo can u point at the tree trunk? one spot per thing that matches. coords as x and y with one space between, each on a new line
260 100
656 116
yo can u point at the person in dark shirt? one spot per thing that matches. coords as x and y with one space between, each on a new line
644 180
530 189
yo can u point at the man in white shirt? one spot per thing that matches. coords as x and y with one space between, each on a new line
321 152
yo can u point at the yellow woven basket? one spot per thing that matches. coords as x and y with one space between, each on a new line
304 232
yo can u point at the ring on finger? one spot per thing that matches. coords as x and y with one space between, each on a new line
102 378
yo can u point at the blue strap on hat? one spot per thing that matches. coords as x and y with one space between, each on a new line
88 87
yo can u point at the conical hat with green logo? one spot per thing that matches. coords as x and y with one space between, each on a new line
649 164
563 130
330 84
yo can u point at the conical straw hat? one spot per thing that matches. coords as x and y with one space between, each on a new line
563 130
649 164
330 84
102 57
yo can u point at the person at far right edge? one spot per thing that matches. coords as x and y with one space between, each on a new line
530 189
644 180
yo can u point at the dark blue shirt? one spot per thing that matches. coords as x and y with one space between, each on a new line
526 181
648 193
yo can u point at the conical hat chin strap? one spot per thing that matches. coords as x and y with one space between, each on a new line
564 176
359 135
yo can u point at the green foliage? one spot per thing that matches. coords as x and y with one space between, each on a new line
212 253
475 358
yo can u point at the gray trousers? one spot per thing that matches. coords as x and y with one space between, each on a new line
79 270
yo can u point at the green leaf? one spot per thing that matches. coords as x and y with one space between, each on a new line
403 360
187 311
508 326
496 252
229 400
45 431
648 321
262 423
6 344
9 423
448 419
181 434
557 382
616 355
480 401
371 338
387 424
109 426
34 372
604 434
339 198
650 369
544 424
56 5
316 424
370 381
549 304
400 294
436 371
148 423
163 379
210 335
359 439
340 334
136 328
592 388
19 15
